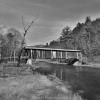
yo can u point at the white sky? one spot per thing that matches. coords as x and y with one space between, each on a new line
51 15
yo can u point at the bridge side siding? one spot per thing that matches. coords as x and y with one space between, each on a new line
53 54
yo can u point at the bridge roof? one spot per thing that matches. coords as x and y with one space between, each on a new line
50 49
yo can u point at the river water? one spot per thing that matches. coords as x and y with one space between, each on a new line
84 81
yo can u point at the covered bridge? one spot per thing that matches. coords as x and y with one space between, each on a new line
51 53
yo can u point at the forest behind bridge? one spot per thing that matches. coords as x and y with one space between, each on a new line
84 36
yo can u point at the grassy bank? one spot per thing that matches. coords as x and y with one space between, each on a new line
21 84
34 87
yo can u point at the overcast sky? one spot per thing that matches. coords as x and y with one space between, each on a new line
50 15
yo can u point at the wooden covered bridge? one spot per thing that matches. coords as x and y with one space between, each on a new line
51 53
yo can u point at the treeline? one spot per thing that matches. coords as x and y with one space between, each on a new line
85 36
10 43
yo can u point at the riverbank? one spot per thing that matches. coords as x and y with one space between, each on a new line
92 65
88 64
35 87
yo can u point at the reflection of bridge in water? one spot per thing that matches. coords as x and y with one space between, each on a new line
51 53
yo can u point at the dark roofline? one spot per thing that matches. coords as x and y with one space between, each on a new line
51 49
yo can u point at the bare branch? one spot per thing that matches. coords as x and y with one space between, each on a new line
27 27
26 30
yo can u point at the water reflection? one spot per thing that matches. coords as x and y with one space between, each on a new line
84 81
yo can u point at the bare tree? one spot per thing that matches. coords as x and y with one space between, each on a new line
26 29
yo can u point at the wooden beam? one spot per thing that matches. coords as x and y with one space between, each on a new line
38 54
31 54
61 56
52 56
81 58
77 55
42 54
66 55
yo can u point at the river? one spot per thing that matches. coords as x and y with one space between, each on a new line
84 81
